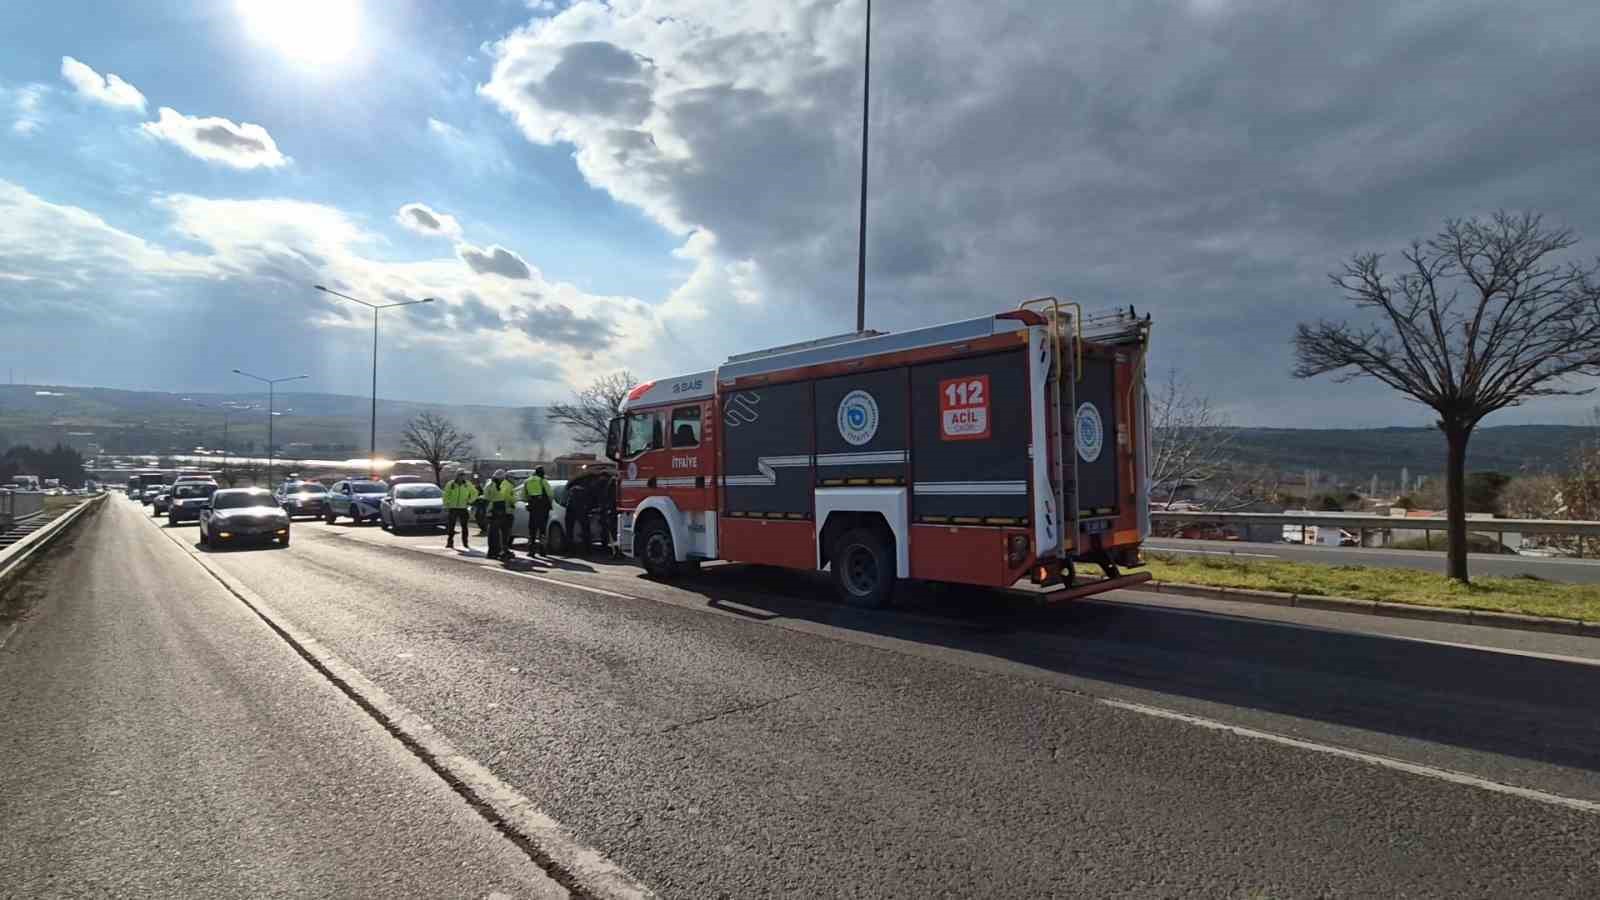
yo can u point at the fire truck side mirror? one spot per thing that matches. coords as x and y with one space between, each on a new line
614 439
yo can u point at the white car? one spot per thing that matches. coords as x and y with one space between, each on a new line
555 533
412 505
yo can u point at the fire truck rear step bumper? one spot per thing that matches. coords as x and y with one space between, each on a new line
1061 594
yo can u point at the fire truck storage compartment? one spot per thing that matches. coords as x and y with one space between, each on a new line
1095 422
766 452
861 429
970 429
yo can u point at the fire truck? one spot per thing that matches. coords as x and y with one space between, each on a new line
1008 448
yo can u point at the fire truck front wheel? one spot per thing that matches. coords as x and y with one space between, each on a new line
656 551
864 568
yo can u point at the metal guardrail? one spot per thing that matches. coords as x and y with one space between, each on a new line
1579 528
1364 523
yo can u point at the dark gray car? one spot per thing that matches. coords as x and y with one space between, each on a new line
243 515
187 499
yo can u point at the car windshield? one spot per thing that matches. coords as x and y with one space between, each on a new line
242 499
196 489
369 487
417 491
307 487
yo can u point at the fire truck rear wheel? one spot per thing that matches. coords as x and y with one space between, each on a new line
864 568
656 552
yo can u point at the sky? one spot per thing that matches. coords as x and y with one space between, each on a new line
657 184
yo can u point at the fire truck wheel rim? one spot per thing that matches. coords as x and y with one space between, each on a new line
861 570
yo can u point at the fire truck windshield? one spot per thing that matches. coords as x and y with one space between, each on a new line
644 433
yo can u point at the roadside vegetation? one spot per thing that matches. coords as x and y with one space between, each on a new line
1526 595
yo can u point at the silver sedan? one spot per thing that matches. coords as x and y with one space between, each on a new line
412 506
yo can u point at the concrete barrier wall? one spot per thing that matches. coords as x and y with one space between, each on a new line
15 505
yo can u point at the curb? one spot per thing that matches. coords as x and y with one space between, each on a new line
19 557
1451 615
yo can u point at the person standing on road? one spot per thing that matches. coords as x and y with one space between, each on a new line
536 491
480 506
459 495
579 506
501 494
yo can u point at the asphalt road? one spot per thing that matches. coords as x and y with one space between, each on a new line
158 740
738 735
1574 571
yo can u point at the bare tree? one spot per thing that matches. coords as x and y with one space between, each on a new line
1192 446
1480 317
435 439
589 414
1533 496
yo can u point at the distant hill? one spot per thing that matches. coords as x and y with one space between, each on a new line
308 424
336 425
1356 454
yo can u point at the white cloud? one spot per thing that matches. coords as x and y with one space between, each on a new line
218 140
107 89
424 220
479 152
25 106
61 244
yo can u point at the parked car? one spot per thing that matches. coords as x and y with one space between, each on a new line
158 503
357 498
149 491
404 479
555 540
188 499
302 498
412 505
241 515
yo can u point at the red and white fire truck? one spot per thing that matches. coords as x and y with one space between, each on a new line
989 451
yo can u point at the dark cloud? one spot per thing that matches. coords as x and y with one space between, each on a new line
473 314
597 78
1208 161
554 323
494 261
228 139
422 217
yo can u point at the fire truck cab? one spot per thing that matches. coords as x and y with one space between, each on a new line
989 451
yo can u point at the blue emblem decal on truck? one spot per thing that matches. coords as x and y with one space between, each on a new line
858 418
1091 433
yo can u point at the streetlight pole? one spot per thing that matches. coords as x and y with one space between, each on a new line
861 248
376 308
271 384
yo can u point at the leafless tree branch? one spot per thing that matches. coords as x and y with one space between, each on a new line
1484 315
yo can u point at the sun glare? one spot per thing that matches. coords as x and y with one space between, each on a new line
316 32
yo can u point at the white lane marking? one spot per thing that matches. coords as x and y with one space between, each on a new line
1374 759
1155 549
598 875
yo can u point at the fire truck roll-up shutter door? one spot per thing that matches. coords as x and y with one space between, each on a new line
861 429
970 428
766 451
1095 437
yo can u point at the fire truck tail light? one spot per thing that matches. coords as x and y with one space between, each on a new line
1017 550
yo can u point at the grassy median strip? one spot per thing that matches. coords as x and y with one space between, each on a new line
1524 594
